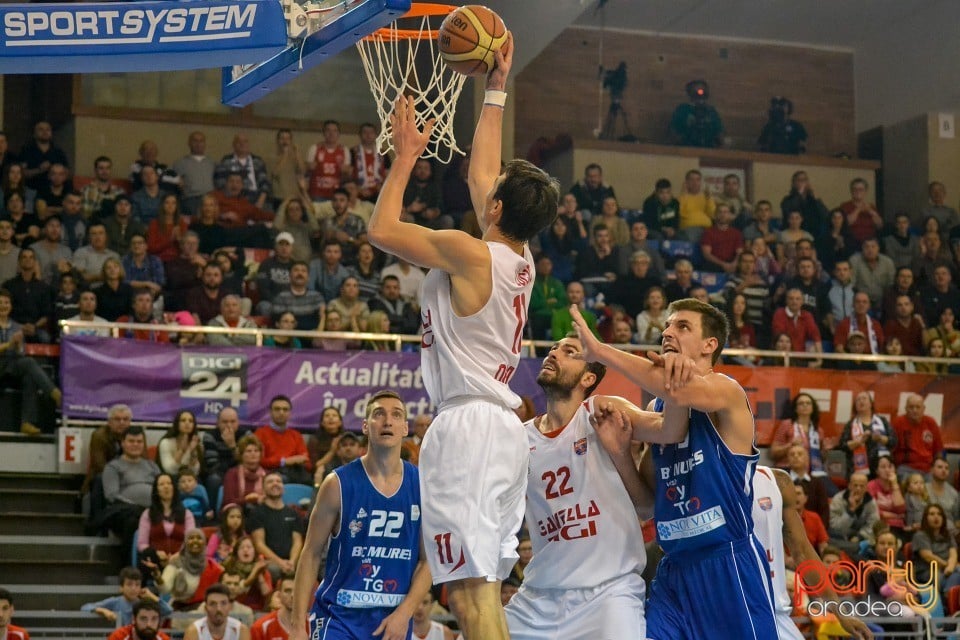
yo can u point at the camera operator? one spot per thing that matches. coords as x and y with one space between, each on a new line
696 124
782 134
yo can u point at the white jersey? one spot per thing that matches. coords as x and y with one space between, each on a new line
232 632
475 356
435 633
582 523
768 527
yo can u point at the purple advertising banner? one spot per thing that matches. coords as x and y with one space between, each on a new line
157 380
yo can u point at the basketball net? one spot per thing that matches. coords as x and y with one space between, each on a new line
389 58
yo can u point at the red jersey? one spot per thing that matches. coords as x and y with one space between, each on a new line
18 633
268 628
917 444
369 169
326 175
126 633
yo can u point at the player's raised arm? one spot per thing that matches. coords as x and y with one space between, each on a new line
646 426
324 518
452 251
669 377
487 138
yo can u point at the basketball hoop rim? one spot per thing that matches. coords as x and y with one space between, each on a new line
417 10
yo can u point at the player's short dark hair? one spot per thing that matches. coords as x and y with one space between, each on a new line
146 605
662 183
6 595
130 573
379 395
596 368
714 323
216 588
529 197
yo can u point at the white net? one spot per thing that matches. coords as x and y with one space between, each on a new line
395 66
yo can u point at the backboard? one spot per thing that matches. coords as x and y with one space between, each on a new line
317 31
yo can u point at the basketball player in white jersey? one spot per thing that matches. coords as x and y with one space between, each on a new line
775 520
585 580
426 629
216 624
473 308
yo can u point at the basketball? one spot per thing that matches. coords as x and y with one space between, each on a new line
469 39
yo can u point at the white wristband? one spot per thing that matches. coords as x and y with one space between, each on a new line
495 98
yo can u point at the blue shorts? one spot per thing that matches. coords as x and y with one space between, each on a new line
346 624
724 593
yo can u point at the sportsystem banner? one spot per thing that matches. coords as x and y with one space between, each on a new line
157 380
139 36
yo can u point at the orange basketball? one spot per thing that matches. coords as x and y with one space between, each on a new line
469 37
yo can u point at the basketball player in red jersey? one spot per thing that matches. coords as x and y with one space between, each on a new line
473 461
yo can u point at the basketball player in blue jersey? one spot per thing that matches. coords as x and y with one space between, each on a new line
473 460
714 578
369 510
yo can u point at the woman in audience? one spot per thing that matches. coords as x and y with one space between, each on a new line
946 331
866 437
224 539
114 296
163 525
935 349
934 549
780 342
653 319
189 572
181 445
251 568
295 215
378 322
883 585
233 274
365 272
13 183
801 427
26 226
352 309
837 243
286 322
332 320
322 445
887 494
562 244
165 231
742 333
789 236
243 484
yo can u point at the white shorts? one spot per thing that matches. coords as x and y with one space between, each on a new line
612 610
786 627
473 481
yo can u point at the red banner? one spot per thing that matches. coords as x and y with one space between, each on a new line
770 390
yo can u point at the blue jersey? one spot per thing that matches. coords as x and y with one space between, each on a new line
704 493
371 560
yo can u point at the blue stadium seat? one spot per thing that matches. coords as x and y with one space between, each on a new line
294 494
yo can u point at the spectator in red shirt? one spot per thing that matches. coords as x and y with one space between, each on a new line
236 210
918 439
146 624
7 630
812 523
721 243
862 217
284 450
862 322
800 325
